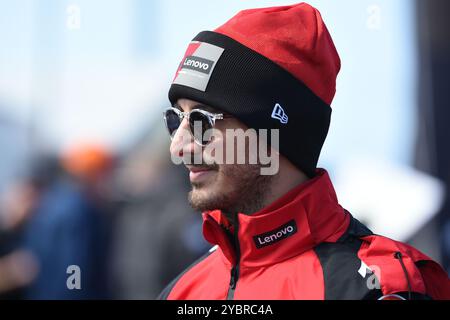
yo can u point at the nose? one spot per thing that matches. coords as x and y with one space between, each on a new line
183 144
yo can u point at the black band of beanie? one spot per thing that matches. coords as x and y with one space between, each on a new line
248 85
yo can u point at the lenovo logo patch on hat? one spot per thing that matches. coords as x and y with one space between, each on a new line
197 66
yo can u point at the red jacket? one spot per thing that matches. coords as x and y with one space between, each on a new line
305 246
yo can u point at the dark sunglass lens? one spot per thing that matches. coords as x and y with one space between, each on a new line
199 124
172 121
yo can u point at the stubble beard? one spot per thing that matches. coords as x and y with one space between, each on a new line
245 190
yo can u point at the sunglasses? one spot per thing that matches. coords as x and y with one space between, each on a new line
200 123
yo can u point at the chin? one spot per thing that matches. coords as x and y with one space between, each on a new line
204 198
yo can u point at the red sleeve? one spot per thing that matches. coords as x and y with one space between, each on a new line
436 280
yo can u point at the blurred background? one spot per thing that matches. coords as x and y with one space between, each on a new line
85 173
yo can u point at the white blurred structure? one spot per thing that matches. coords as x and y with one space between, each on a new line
394 201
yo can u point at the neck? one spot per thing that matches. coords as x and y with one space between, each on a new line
287 178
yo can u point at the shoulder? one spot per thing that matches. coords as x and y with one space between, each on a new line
362 265
403 268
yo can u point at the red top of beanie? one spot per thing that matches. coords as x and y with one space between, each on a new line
294 37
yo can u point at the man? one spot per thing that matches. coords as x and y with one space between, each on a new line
281 235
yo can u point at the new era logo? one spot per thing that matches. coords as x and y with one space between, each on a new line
279 114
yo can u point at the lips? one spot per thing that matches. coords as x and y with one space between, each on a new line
198 174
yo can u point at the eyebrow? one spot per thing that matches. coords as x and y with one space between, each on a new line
198 106
206 108
177 106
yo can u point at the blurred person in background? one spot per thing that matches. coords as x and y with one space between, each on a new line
18 267
69 227
280 236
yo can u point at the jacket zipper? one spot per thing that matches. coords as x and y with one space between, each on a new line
235 270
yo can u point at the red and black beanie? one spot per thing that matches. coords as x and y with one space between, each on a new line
272 68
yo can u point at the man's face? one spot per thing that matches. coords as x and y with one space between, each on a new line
228 187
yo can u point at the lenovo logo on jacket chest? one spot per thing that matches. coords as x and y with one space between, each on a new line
280 233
